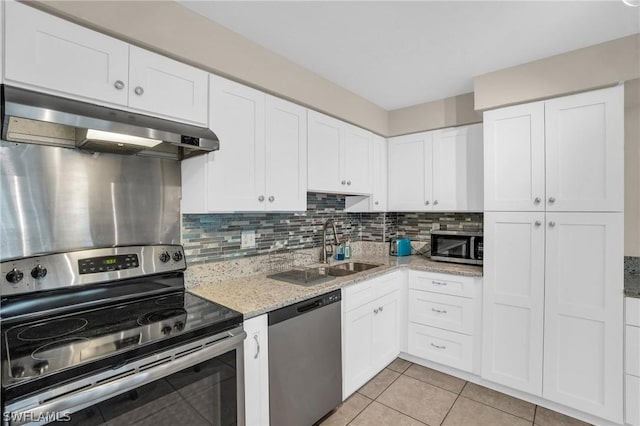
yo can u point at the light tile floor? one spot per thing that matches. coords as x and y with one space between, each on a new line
409 394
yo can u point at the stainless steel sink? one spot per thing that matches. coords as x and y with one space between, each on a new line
319 274
350 268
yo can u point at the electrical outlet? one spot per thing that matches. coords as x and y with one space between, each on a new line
248 240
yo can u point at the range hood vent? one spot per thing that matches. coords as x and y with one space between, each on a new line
33 117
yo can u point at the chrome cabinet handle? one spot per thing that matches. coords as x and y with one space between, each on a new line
119 84
348 182
438 347
435 202
255 337
438 311
537 223
376 310
343 182
376 203
438 283
261 198
426 203
272 199
537 200
139 91
552 224
381 308
552 199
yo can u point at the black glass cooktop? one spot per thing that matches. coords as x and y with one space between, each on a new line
50 349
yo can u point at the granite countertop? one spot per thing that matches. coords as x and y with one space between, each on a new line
257 294
632 277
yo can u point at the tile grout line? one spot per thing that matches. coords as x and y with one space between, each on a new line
499 409
454 403
376 398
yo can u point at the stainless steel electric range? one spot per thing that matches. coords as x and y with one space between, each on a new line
109 335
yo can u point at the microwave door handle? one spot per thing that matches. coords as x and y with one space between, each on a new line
472 248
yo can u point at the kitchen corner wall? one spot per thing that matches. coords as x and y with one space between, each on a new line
216 237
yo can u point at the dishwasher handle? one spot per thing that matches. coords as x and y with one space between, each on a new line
304 307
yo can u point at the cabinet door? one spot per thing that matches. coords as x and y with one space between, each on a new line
407 172
285 156
449 168
357 160
513 300
583 324
56 56
386 326
514 174
235 173
256 371
584 150
379 196
161 86
357 355
324 153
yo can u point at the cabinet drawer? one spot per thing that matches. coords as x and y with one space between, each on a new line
445 347
443 283
632 309
442 311
632 350
362 293
632 397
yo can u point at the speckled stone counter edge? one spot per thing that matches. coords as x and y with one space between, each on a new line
632 276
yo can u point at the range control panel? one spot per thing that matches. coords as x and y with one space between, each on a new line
85 267
107 263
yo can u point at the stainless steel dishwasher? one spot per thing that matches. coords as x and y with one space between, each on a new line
305 361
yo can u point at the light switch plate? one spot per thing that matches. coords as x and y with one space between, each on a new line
248 239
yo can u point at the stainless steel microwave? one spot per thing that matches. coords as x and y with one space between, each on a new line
457 246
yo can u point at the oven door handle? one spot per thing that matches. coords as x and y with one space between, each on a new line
472 248
89 396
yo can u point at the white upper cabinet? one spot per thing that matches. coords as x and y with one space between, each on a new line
583 312
261 164
161 86
340 156
439 170
559 155
53 55
49 54
585 151
407 171
379 196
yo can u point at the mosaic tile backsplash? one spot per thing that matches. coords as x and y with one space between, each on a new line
216 237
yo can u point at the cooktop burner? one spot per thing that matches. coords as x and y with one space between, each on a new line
52 329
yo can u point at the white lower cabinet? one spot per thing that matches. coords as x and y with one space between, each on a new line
632 362
256 371
444 319
371 313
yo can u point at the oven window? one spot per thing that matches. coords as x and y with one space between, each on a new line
204 394
451 246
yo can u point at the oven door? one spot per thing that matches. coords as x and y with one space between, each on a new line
200 383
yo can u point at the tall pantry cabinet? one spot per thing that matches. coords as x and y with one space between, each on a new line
553 260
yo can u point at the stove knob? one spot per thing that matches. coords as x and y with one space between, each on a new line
177 256
165 257
41 367
166 330
39 272
179 326
14 276
17 372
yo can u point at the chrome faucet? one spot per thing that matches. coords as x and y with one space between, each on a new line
325 256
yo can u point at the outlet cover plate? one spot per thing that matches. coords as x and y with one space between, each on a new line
248 240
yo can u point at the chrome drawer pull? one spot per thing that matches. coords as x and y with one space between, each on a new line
439 311
438 347
438 283
376 310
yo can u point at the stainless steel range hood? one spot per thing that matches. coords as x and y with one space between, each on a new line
33 117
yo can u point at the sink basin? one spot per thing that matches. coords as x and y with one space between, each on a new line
317 275
350 268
